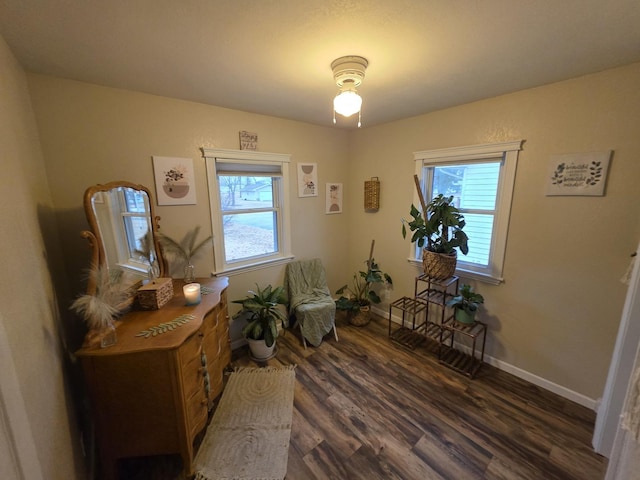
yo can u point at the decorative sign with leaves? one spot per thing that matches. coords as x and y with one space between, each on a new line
578 173
166 327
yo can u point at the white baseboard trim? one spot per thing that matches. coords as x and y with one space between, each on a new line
564 392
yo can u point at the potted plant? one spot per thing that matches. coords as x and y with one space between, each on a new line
466 304
438 233
260 308
356 299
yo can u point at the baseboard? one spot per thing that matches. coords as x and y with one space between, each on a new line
520 373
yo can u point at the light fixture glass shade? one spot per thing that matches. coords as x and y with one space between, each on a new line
347 103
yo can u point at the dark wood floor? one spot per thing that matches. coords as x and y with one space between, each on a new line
366 408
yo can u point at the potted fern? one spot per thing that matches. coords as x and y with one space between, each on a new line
439 233
466 304
185 250
260 308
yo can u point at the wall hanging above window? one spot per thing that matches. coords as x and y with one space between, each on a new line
348 72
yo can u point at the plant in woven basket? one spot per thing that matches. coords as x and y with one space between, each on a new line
361 293
438 229
185 250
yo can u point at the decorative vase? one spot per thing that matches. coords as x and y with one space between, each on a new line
259 349
361 317
189 273
108 335
439 266
462 316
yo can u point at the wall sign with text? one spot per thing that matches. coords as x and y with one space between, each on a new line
578 173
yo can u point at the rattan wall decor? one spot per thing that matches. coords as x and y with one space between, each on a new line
372 194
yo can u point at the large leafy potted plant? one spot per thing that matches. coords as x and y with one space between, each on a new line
439 232
260 308
466 304
356 299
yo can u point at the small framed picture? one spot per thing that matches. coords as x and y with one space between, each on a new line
175 181
307 180
333 198
248 140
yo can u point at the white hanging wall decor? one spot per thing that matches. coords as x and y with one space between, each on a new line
578 173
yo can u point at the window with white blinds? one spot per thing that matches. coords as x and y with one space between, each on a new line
249 208
480 178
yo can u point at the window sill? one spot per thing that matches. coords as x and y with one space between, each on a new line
462 273
229 272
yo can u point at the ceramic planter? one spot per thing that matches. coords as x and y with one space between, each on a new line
259 349
465 317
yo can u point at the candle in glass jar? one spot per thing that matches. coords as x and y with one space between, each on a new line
192 293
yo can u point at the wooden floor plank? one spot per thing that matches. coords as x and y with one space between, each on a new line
366 408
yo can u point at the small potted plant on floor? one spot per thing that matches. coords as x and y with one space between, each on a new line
466 304
356 299
260 308
439 232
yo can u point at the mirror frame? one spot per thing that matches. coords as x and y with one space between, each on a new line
93 236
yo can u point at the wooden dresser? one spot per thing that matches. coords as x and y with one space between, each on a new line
151 396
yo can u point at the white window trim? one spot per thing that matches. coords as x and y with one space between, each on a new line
509 153
284 234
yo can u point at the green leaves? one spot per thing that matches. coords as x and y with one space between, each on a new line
360 293
262 313
442 231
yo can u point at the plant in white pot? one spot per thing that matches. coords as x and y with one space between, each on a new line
262 312
439 232
466 304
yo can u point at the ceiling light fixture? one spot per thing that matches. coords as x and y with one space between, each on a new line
348 73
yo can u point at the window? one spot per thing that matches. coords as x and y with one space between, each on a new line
248 193
480 178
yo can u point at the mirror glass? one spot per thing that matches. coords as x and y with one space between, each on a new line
121 216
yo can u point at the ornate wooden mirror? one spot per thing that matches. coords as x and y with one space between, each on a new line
124 232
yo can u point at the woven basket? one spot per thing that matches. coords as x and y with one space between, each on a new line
372 194
439 266
360 318
156 294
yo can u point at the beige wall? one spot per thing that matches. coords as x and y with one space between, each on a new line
92 134
557 313
29 309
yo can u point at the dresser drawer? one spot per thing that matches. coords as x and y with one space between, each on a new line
197 410
191 365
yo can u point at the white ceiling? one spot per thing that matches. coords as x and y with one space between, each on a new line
273 56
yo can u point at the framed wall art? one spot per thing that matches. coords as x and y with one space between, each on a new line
175 180
333 198
578 173
307 180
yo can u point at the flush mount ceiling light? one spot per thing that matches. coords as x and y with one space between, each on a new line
348 73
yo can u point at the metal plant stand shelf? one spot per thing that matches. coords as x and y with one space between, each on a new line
426 318
413 312
465 363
